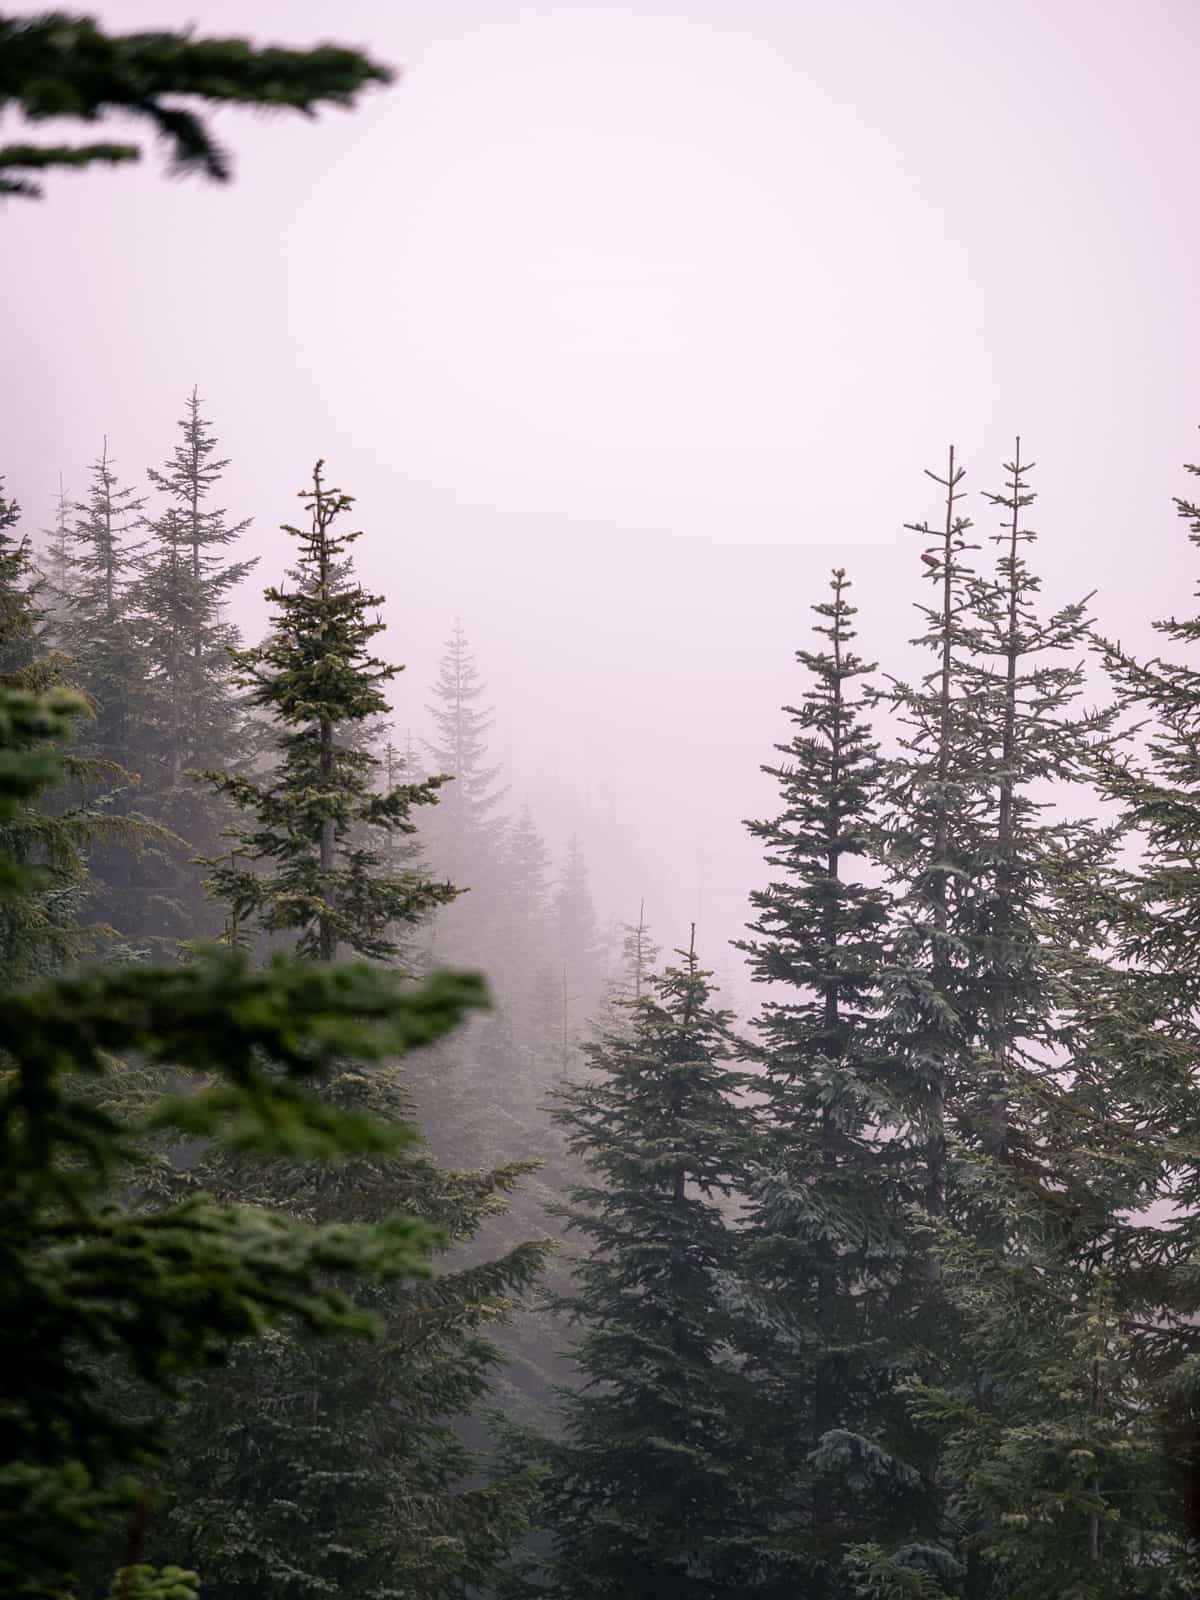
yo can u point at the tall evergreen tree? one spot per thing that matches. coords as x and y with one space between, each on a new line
1138 1017
97 1283
1023 1182
827 1264
194 719
577 943
364 1488
652 1488
97 633
305 870
40 930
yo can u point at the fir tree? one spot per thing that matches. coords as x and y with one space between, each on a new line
998 901
194 719
156 1288
98 635
466 834
1137 1017
327 1468
306 869
653 1488
574 922
366 1488
40 930
827 1264
55 565
60 65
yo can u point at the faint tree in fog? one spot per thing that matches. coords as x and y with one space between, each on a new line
577 946
466 833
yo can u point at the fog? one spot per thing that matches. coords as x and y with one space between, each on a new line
624 323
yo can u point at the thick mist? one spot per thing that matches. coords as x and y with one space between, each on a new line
624 323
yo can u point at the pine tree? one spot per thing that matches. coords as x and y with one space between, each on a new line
55 65
653 1487
306 871
998 896
194 719
328 1468
98 635
55 565
364 1485
465 835
828 1272
97 1285
40 930
1137 1017
574 923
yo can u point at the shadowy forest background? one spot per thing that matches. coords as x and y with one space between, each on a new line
329 1266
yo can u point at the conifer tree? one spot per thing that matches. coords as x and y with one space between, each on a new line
466 834
1137 1015
309 1468
56 64
305 870
998 899
55 565
98 635
574 922
96 1284
827 1262
364 1486
653 1488
194 719
40 930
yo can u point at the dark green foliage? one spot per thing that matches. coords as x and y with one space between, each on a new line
155 1289
97 632
1024 1181
193 716
59 64
308 865
309 1469
656 1488
40 929
829 1270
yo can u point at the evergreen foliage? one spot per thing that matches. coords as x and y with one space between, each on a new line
194 718
40 930
61 65
302 866
156 1289
654 1489
828 1270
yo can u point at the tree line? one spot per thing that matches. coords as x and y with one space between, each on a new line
892 1294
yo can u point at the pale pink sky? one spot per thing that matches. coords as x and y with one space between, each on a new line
626 321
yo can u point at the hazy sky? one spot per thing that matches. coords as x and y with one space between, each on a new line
625 322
